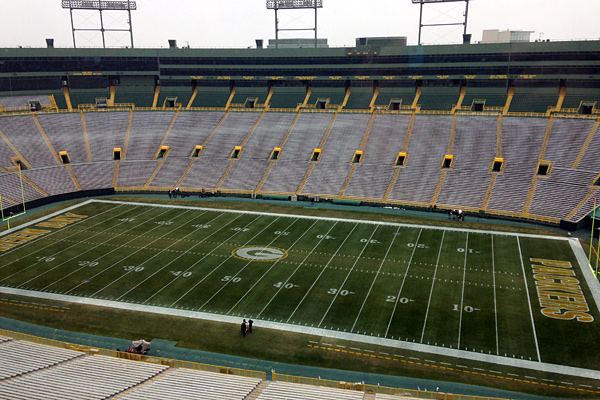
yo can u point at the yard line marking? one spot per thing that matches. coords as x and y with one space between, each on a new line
44 218
462 298
92 248
54 243
112 251
137 251
481 369
248 263
199 260
403 280
537 347
433 285
56 254
495 302
322 270
348 275
273 266
495 372
218 266
462 366
373 283
173 259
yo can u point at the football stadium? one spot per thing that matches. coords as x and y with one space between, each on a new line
298 221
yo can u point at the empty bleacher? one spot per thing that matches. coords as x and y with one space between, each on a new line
23 101
572 151
97 175
18 357
428 145
295 391
24 134
360 98
208 169
373 175
190 384
466 184
329 174
212 96
287 173
66 134
247 172
106 131
521 143
147 132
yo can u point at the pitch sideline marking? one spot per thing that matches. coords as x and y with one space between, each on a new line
358 221
537 347
325 333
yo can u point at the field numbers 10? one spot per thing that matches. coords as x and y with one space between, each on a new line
286 286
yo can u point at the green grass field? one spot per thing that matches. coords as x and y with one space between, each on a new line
470 290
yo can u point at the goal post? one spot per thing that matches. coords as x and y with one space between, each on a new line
6 218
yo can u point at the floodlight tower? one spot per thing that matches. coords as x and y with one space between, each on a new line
423 2
293 5
101 5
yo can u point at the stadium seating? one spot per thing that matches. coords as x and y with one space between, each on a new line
247 173
23 101
386 139
29 369
570 146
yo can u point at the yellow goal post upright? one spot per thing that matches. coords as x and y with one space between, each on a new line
593 262
11 215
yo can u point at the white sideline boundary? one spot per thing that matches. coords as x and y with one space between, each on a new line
580 255
377 341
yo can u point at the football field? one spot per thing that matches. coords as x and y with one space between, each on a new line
496 293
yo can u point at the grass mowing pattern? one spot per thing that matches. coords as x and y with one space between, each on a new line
442 287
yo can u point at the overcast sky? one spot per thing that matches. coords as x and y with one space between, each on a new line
237 23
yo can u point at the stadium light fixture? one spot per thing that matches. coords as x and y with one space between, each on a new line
101 5
293 5
423 2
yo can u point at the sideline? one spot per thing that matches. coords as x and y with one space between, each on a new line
493 359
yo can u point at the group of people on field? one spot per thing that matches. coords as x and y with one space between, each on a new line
247 327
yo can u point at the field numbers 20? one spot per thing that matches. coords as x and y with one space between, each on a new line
419 246
392 299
